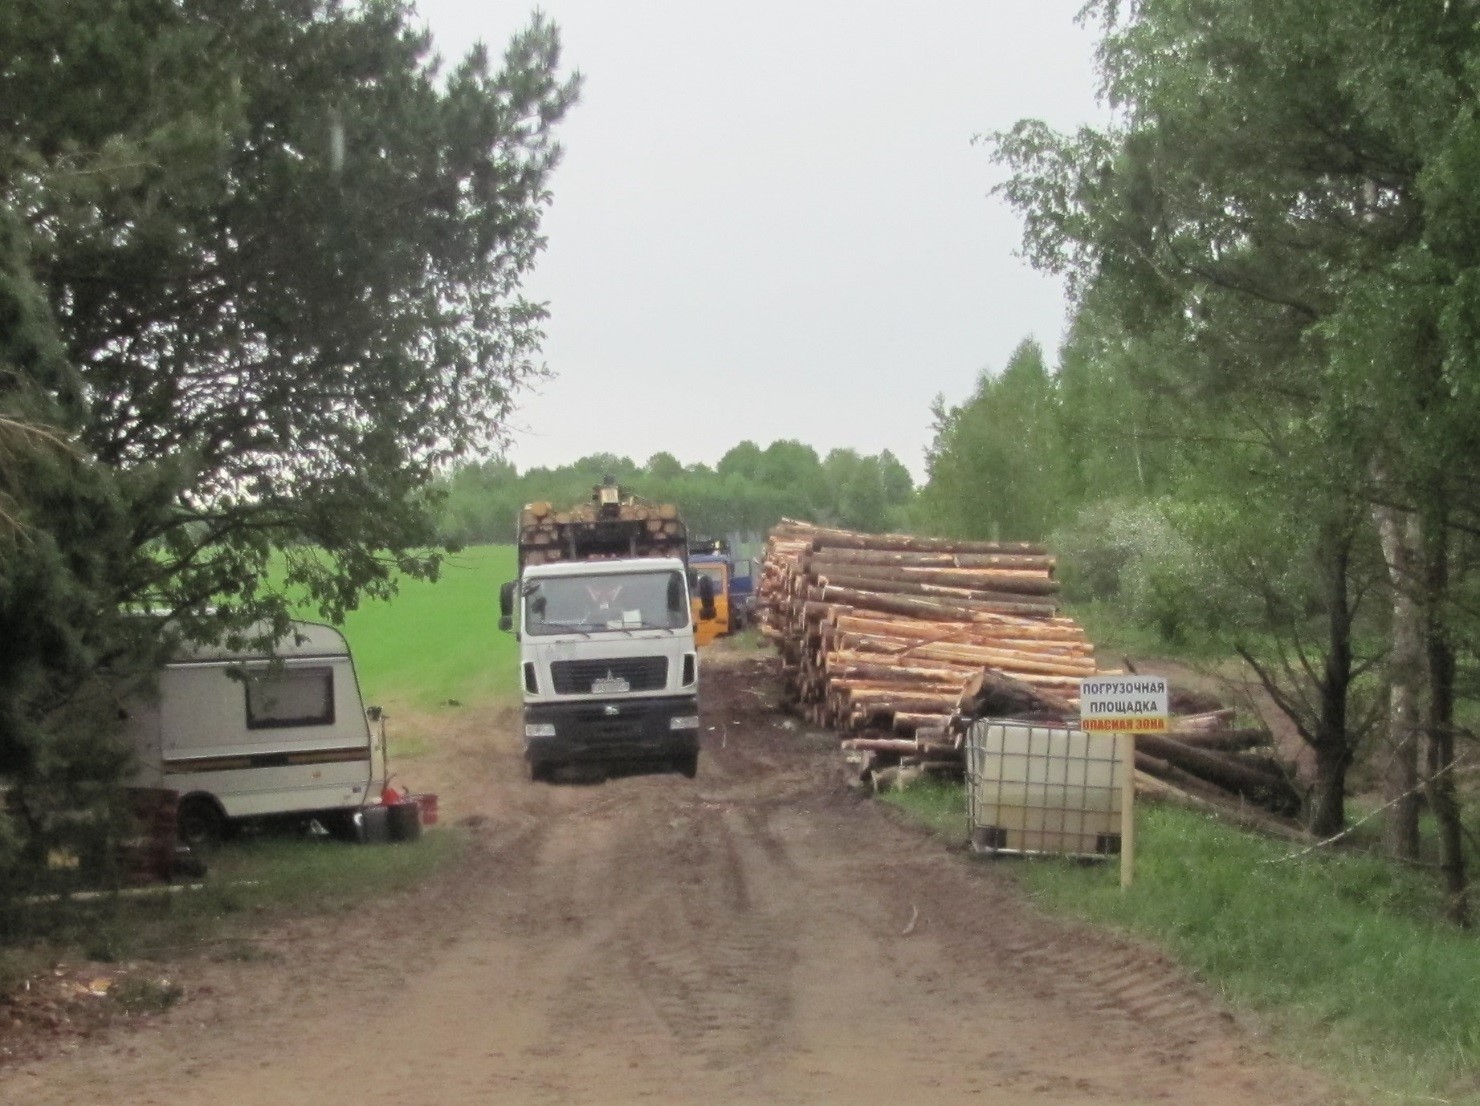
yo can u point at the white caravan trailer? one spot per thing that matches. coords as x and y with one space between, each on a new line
238 736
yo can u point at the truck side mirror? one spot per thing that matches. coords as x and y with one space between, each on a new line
707 613
506 606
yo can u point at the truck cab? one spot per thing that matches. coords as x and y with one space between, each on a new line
715 567
608 664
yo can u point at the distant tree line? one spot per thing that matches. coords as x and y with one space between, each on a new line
748 491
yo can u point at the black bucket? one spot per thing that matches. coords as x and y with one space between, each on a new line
373 824
405 820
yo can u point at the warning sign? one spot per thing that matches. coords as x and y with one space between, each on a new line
1123 704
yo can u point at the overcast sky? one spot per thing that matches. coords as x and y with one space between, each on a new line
771 222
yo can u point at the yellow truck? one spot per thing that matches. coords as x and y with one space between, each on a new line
717 568
733 585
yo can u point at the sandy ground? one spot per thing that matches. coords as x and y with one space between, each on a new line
742 938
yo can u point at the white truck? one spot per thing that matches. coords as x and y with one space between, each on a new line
608 667
239 735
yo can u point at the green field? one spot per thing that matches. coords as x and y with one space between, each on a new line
439 642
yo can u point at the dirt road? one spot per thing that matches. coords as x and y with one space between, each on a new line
742 938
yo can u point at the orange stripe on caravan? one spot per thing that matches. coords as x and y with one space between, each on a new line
267 760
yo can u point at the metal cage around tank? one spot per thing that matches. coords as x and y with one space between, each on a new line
1036 789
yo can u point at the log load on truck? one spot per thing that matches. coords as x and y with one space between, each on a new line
608 666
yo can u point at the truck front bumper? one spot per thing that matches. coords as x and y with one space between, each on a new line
611 730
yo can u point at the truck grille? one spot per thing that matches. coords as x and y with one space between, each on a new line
641 674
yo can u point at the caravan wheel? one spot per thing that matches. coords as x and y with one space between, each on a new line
199 822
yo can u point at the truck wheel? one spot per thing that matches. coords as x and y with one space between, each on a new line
199 823
688 766
541 771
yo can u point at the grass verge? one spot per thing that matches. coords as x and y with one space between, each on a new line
939 806
249 883
1339 955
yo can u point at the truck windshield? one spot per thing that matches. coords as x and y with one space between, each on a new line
595 604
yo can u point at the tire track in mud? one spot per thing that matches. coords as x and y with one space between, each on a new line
693 969
1080 968
982 917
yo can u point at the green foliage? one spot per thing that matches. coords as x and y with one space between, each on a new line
997 469
1136 555
259 284
1275 240
282 251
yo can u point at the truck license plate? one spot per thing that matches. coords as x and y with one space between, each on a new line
610 685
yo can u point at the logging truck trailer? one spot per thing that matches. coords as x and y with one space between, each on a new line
608 667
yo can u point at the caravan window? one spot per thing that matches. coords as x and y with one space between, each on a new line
290 697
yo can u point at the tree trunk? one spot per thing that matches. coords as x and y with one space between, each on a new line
1399 531
1329 737
1328 800
1440 722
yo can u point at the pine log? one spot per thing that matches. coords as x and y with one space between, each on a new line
888 558
1226 771
1066 671
846 575
1206 720
910 721
912 650
1185 701
1014 660
1187 781
844 672
880 745
894 702
994 692
823 538
881 689
1047 630
1223 741
950 610
897 586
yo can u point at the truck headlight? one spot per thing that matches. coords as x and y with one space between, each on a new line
541 729
684 722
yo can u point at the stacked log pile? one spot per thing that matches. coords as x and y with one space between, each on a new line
882 632
900 643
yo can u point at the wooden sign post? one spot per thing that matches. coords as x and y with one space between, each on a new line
1124 706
